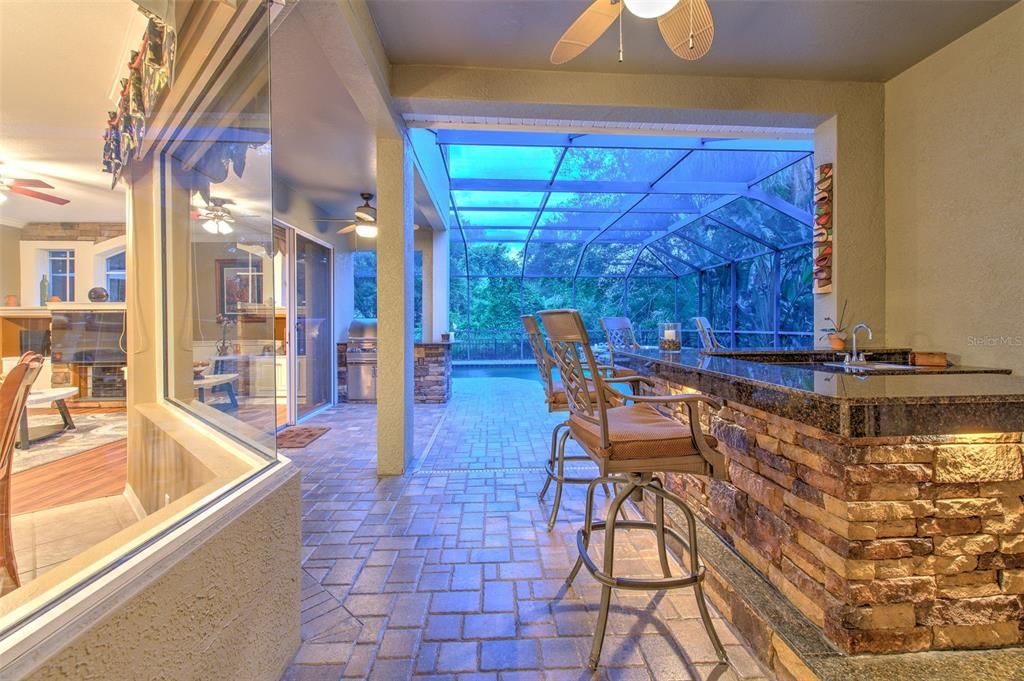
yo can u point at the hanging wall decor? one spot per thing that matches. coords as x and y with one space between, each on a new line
150 71
823 181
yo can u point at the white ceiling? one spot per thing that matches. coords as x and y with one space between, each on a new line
867 40
59 62
322 145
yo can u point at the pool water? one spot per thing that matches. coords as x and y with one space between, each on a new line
524 371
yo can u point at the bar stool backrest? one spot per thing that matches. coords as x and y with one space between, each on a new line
581 374
619 333
540 353
13 396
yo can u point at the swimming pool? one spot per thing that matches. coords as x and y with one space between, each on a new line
524 371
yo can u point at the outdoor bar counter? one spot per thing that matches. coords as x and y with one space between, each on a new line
885 508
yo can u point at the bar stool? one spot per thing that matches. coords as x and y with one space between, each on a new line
630 444
555 398
619 333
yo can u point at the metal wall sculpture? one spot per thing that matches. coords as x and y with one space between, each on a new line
823 227
150 71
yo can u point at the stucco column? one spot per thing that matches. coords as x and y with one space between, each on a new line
439 285
395 301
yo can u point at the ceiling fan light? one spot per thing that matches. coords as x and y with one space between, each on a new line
211 226
367 230
224 228
649 9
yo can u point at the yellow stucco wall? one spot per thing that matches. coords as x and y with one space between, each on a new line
954 173
223 606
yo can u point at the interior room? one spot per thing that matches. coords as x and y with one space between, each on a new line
456 339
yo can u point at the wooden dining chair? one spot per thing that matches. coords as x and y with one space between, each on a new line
13 395
632 444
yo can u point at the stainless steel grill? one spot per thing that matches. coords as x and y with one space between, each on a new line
361 358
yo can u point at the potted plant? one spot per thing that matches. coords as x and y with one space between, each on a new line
835 332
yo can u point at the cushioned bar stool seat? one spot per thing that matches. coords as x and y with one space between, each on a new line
557 401
631 441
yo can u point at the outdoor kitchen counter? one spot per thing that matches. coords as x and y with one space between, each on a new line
886 509
924 402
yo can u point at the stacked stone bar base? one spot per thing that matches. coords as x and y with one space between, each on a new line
432 373
887 544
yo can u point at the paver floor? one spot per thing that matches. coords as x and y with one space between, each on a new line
448 572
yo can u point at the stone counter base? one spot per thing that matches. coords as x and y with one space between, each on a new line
432 373
887 544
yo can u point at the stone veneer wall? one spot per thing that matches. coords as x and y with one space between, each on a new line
888 544
432 371
72 231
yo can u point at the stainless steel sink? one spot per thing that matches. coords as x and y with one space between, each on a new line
872 366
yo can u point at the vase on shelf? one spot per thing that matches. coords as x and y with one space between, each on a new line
837 342
11 300
44 290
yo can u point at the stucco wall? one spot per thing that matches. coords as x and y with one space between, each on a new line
10 261
954 173
225 606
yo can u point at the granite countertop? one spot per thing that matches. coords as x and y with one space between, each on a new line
924 402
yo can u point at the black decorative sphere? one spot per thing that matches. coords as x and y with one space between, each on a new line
98 294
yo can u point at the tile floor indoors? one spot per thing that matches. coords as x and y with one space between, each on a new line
447 572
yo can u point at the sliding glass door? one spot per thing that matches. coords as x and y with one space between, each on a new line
316 379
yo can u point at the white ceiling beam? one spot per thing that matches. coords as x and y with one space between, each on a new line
604 141
348 37
591 187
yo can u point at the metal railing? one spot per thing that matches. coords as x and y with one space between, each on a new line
510 346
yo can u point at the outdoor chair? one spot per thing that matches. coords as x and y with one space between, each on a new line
556 400
13 396
631 443
619 333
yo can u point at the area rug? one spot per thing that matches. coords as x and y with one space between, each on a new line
91 430
297 437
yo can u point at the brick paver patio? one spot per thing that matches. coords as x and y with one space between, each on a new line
448 573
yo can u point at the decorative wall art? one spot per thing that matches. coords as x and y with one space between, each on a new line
823 181
150 72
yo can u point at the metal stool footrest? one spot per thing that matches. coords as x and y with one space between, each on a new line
606 575
637 583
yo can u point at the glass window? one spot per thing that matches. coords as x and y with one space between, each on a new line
494 218
496 199
603 201
62 275
730 166
502 163
116 277
616 165
364 266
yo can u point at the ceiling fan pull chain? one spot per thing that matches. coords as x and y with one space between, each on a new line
620 32
690 2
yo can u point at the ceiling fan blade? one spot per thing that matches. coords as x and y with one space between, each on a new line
334 220
347 230
583 32
39 195
686 17
35 184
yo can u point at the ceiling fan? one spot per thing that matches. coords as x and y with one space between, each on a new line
686 26
217 217
27 188
363 221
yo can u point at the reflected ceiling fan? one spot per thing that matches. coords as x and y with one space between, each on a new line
686 26
27 188
217 217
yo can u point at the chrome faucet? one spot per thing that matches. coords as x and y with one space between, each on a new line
853 357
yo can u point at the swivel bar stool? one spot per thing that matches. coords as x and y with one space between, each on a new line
555 398
630 443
